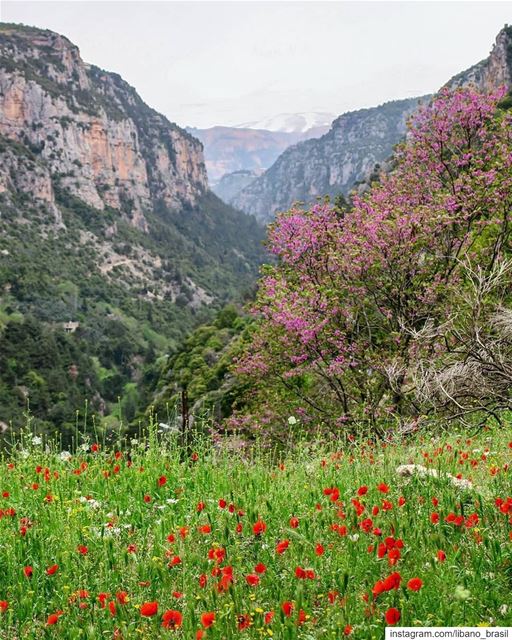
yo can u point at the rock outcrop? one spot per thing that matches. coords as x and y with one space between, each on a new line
329 165
493 72
99 139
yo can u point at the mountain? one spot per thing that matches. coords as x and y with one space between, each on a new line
112 246
230 185
293 122
229 149
331 164
492 72
356 142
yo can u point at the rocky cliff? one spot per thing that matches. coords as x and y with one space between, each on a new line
92 130
107 226
493 72
331 164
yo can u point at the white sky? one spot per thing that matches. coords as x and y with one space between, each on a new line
207 63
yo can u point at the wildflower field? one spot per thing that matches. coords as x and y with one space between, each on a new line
159 543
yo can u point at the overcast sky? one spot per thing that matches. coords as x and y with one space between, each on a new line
208 63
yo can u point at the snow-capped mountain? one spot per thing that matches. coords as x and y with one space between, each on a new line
291 122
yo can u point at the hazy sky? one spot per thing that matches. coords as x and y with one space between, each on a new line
207 63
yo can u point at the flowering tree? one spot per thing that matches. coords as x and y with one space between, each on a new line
340 313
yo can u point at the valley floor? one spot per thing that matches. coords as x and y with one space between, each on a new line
161 543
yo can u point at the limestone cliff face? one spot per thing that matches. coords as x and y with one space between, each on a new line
101 142
493 72
356 142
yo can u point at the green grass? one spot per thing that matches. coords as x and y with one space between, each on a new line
97 500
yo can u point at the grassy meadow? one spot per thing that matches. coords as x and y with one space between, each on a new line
317 543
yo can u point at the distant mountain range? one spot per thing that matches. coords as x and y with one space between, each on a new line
356 142
292 122
329 165
228 149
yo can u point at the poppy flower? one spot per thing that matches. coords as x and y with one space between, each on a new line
347 630
260 568
203 579
441 556
243 621
112 608
147 498
363 490
162 480
383 487
282 546
287 608
53 618
172 619
294 523
82 549
149 609
4 605
207 619
319 550
252 579
52 570
269 616
259 528
392 616
414 584
122 597
28 571
205 528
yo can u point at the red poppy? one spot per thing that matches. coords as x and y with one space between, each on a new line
28 571
260 568
207 619
205 528
149 609
161 481
392 615
441 556
269 616
222 503
200 507
147 498
252 579
434 518
4 605
347 630
282 546
319 550
112 608
53 618
82 549
172 619
414 584
362 491
259 528
244 621
122 597
383 487
52 570
287 608
294 523
203 579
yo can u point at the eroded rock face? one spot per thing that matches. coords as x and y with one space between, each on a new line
102 143
493 72
329 165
